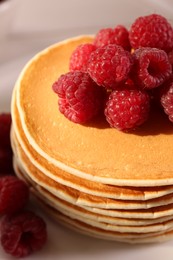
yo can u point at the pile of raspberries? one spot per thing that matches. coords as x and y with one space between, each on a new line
22 232
119 74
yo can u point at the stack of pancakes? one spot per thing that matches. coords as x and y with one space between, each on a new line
92 178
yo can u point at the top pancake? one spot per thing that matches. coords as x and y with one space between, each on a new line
93 151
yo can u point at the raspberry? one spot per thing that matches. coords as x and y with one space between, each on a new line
23 233
5 125
167 99
5 146
170 57
6 166
151 67
80 56
151 31
80 99
14 194
127 108
119 35
109 65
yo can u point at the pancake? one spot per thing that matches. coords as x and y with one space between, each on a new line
66 209
91 177
86 186
76 209
81 198
96 232
78 149
71 195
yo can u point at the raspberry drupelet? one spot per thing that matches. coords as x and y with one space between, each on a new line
127 109
151 67
151 31
22 233
109 66
80 98
118 35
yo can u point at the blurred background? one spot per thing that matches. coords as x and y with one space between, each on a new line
28 26
32 24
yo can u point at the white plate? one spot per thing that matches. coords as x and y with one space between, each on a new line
62 243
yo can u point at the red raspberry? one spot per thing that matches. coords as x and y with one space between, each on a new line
109 65
151 31
5 146
170 57
6 166
119 36
167 99
5 125
80 99
14 194
151 67
127 108
23 233
80 56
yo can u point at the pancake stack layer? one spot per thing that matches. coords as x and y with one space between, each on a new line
92 178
